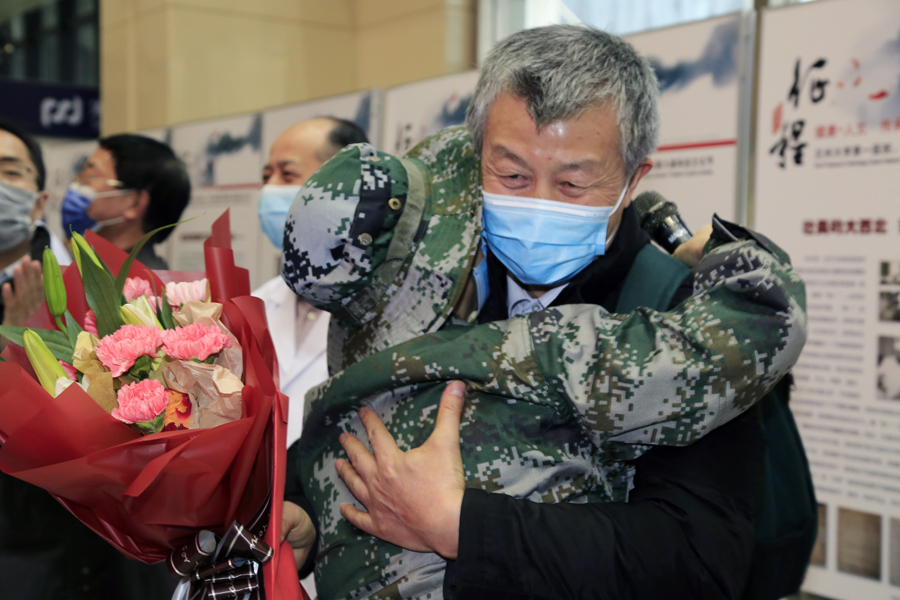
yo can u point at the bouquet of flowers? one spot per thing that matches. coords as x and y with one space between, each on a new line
153 415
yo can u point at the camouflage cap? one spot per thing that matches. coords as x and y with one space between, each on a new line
383 243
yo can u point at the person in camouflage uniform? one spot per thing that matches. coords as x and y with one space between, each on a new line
558 401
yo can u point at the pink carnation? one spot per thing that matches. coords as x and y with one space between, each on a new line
135 287
185 291
118 351
194 341
141 401
90 322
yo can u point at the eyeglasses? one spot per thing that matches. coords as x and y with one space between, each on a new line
96 179
14 172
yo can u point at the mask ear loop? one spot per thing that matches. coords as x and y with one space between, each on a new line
115 220
611 237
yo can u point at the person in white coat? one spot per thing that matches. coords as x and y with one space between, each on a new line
299 331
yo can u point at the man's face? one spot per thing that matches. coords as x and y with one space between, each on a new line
575 161
17 169
294 155
112 201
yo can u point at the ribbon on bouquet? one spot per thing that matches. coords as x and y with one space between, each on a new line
210 568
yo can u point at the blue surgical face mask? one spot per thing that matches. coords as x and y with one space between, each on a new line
274 203
544 242
74 208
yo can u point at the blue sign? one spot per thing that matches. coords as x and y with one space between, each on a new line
52 110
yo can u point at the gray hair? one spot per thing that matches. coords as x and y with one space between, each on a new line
561 71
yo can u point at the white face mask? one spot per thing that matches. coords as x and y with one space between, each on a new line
15 216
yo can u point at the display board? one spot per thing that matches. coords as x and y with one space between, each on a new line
223 158
699 67
827 167
416 110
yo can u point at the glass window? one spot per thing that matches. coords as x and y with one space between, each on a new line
85 8
500 18
56 41
86 54
49 57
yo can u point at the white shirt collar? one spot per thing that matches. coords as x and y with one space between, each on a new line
520 302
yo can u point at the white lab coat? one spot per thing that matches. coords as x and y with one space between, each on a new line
300 366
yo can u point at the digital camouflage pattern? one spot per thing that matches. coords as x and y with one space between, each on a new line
557 401
327 262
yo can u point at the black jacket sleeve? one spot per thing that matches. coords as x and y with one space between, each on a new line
686 531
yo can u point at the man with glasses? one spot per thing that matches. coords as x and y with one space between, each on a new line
45 552
23 235
129 186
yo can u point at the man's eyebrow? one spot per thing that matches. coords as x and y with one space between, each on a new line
505 152
13 159
588 164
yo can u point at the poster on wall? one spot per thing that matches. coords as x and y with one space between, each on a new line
827 167
363 108
160 134
699 70
223 158
416 110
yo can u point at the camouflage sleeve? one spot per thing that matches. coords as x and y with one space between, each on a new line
669 378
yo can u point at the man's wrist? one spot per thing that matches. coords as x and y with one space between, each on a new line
446 540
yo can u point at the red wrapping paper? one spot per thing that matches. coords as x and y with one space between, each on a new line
147 495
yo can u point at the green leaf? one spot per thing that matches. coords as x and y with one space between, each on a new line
56 341
141 368
163 310
72 329
154 426
100 293
126 266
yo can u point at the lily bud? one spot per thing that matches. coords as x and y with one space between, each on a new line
54 288
76 254
45 365
81 249
139 312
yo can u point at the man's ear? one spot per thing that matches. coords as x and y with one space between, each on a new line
140 207
639 173
37 211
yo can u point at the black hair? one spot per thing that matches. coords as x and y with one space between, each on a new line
143 163
343 134
346 132
34 149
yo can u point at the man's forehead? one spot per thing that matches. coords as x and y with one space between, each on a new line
14 150
101 160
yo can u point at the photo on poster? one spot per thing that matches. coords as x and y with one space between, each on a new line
820 547
894 559
888 372
859 543
888 306
890 272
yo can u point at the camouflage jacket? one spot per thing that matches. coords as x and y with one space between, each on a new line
557 401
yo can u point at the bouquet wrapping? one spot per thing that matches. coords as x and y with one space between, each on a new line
152 494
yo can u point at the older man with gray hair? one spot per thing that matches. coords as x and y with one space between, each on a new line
563 399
